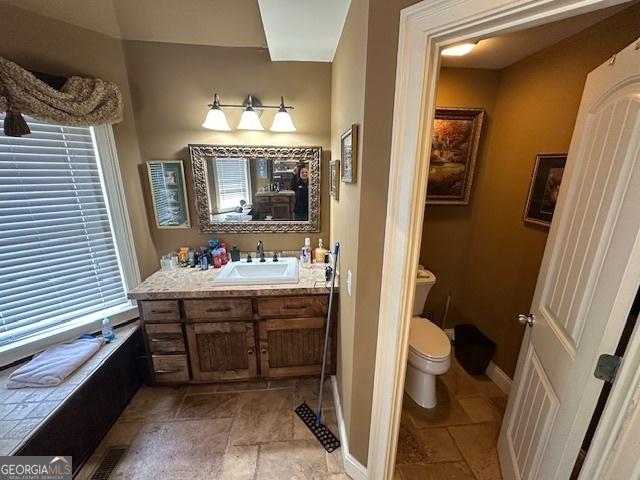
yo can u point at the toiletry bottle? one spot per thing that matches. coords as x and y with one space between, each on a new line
305 253
235 254
107 331
320 251
217 259
192 258
204 262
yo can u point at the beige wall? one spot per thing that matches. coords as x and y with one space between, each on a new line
491 274
347 108
171 86
40 43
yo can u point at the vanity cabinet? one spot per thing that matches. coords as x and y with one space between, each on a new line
230 339
222 351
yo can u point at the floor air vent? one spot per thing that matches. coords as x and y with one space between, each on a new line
109 463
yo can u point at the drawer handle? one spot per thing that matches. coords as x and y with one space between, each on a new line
164 339
264 351
296 307
161 311
218 310
163 370
250 352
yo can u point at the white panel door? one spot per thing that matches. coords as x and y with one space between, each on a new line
587 281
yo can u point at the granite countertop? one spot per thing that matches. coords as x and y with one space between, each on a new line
194 283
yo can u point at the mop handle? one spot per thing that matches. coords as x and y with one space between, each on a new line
336 252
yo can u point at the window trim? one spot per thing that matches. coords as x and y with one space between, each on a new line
107 158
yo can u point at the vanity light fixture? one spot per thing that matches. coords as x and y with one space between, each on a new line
282 121
250 119
216 119
458 50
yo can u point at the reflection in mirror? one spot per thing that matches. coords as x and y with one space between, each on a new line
256 189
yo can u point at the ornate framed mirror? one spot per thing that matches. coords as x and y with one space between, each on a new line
256 189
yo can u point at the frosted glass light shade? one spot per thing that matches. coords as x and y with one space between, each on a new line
282 122
250 121
458 50
216 120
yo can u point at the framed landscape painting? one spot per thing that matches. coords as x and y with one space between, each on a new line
454 147
544 188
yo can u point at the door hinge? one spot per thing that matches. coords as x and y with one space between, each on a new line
607 367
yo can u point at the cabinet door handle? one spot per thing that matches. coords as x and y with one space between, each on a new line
218 310
250 352
264 351
162 370
164 339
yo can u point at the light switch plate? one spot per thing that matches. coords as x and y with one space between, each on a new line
349 282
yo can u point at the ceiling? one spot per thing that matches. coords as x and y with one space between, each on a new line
303 30
504 50
228 23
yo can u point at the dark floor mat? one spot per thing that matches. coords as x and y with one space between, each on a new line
328 440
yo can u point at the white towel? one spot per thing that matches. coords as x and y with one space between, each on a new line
50 367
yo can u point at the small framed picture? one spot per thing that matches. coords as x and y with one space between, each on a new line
544 188
334 182
169 193
349 161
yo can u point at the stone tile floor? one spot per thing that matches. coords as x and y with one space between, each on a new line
457 439
222 431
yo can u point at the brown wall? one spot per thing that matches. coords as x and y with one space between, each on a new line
447 234
492 273
171 86
40 43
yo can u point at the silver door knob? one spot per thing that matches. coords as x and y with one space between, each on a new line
528 320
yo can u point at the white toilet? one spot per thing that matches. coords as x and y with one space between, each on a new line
429 348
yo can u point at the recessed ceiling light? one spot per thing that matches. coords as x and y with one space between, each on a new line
458 50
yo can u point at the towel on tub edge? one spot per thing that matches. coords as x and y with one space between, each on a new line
50 367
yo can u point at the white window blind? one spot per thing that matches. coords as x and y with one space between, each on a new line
232 182
58 258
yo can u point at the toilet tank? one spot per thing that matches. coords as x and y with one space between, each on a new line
424 281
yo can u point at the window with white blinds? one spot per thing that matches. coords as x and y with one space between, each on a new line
58 258
232 182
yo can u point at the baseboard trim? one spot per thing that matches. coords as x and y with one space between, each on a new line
352 467
500 378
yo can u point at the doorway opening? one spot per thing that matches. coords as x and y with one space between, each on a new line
486 251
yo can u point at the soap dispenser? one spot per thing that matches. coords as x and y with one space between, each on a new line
320 252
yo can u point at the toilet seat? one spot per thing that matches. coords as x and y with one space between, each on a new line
428 341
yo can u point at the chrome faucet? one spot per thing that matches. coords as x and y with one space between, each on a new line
260 251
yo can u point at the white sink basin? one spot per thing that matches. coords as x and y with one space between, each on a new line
285 270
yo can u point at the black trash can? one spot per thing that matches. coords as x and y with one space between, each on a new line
473 349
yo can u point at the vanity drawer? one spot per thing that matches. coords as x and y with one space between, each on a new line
165 338
160 310
170 368
219 309
310 306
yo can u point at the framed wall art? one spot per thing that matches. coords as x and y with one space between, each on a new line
169 193
544 188
334 182
349 149
454 148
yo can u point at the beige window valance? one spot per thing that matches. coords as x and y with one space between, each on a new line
80 101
